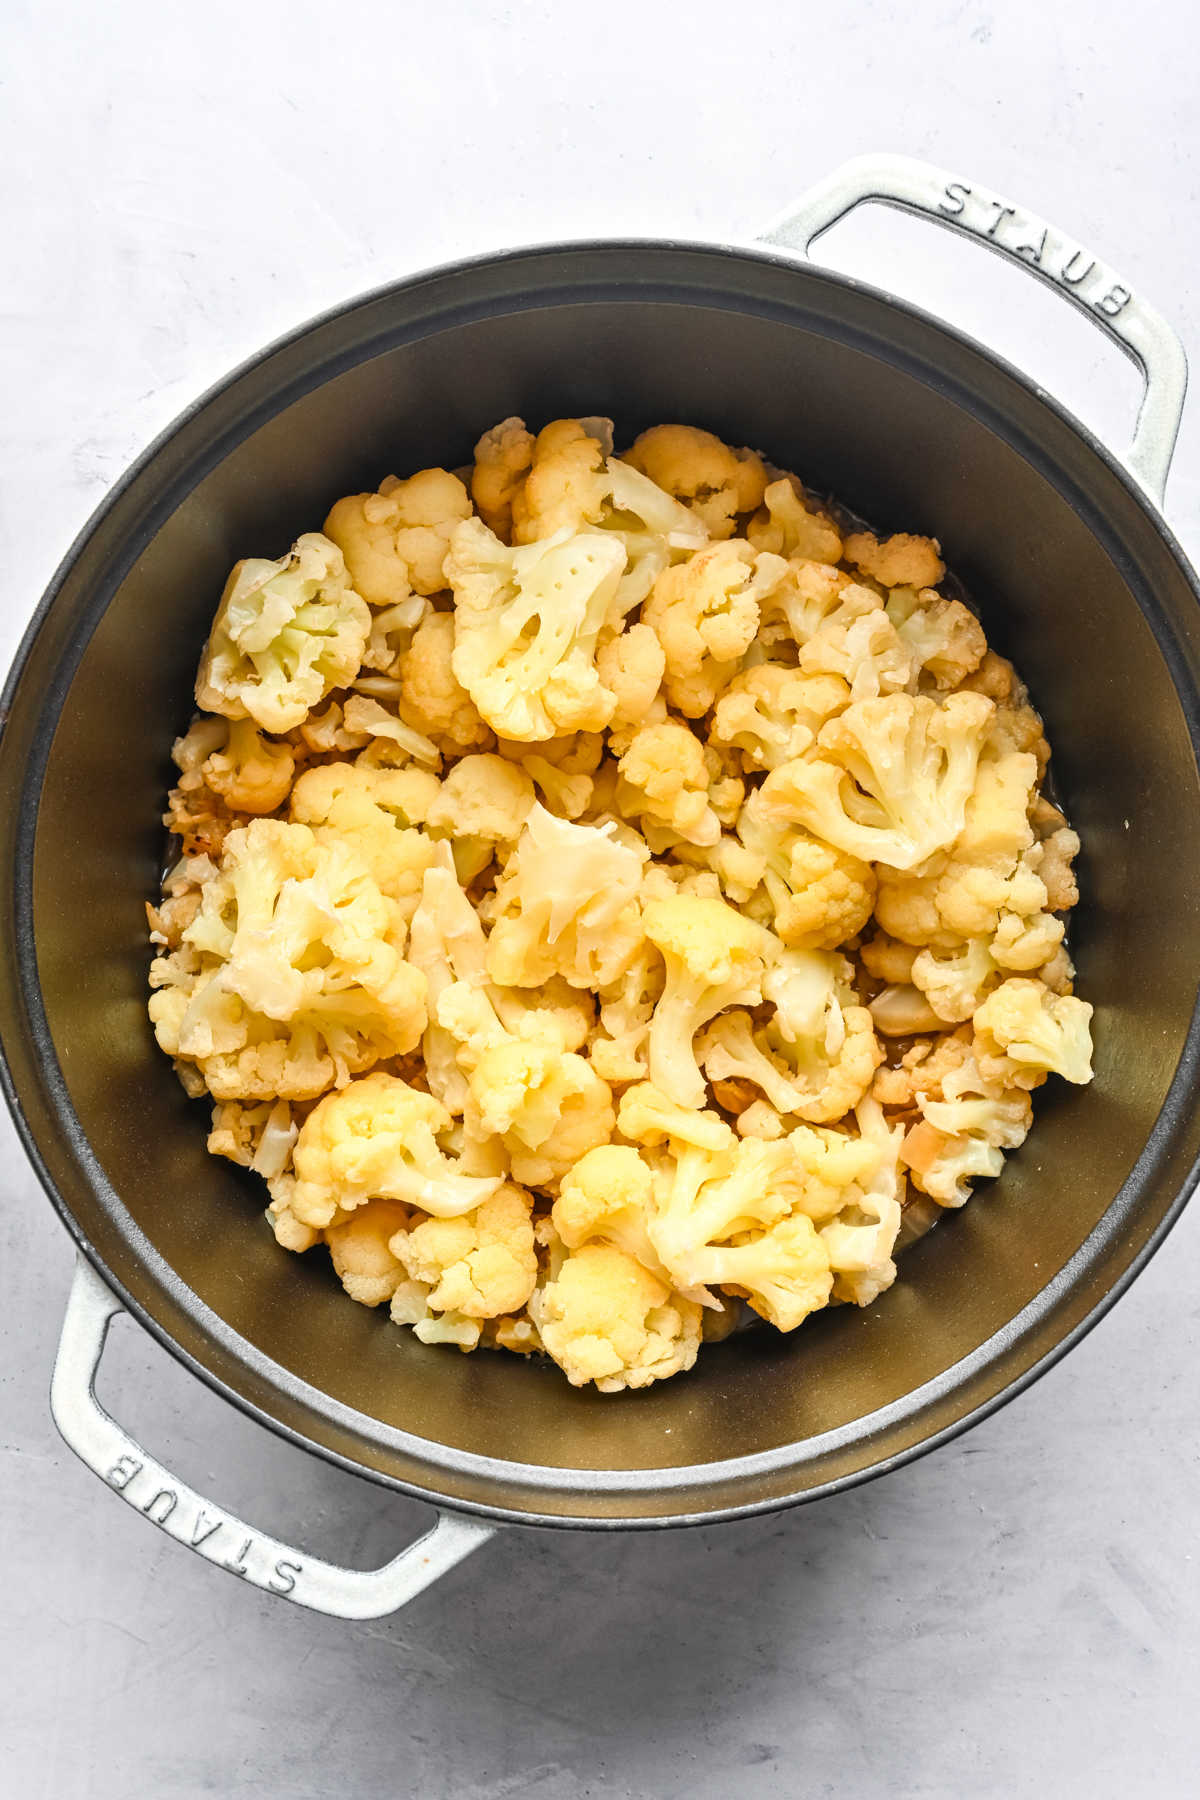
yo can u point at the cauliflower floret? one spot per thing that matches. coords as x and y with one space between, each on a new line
818 1074
860 1241
480 1264
944 639
285 633
606 1319
620 1050
959 1141
890 778
713 481
250 772
291 975
526 625
395 541
359 1248
631 666
484 802
796 605
646 1116
858 641
708 1206
290 1232
898 561
1036 1029
903 1011
1055 871
503 458
566 905
430 699
549 1107
377 1140
365 718
608 1197
704 613
789 525
955 981
771 713
818 896
714 958
664 779
378 811
260 1138
565 488
392 629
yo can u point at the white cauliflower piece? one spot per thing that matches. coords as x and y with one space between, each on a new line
566 905
526 625
395 541
944 639
890 778
704 613
858 642
771 713
285 633
606 1319
860 1240
818 896
620 1049
714 958
1036 1029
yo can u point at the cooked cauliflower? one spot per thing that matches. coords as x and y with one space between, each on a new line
890 778
605 885
713 481
714 958
395 541
704 613
285 633
526 625
604 1318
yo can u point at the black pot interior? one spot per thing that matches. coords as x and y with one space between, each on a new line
913 430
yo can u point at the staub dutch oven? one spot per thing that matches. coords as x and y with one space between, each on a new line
1064 550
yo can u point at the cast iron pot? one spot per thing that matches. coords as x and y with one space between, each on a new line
914 426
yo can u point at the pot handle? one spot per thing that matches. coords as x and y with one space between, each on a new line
1056 259
195 1522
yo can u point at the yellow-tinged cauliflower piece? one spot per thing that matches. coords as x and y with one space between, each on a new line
819 896
379 812
959 1141
359 1248
503 458
944 639
564 489
647 1116
251 773
713 481
860 1240
664 780
818 1074
1037 1029
898 561
260 1138
285 633
857 641
526 625
714 958
291 976
790 525
620 1050
771 713
481 1264
392 631
377 1140
737 1219
631 666
566 904
608 1197
989 887
548 1106
955 981
890 778
606 1319
704 613
795 606
395 541
483 802
431 700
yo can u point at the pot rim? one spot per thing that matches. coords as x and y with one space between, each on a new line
532 1478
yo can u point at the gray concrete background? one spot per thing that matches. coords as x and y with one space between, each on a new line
1018 1615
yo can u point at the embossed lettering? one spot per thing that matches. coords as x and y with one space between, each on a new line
1002 212
1074 280
238 1565
284 1578
1115 301
955 198
123 1472
200 1535
172 1501
1034 252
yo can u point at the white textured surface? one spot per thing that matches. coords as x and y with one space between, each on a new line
1018 1615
